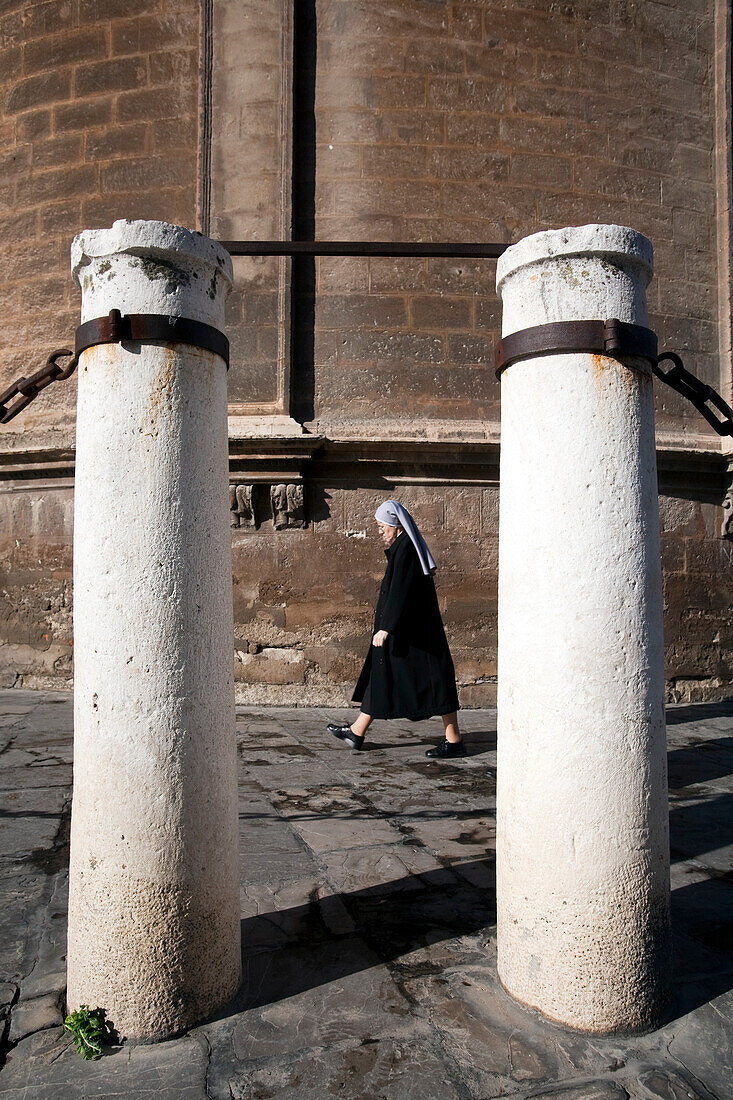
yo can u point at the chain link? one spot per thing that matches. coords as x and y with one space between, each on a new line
706 400
112 329
697 393
26 389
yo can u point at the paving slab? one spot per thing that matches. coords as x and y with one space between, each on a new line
368 927
388 1068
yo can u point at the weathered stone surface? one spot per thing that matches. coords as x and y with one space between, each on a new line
369 976
23 893
708 1062
47 1064
397 1069
447 122
668 1085
589 1090
48 975
36 1014
35 831
8 997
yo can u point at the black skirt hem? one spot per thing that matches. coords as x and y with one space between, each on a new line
437 712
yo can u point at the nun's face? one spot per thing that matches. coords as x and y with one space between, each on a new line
387 534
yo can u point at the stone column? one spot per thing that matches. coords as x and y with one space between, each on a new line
582 823
154 935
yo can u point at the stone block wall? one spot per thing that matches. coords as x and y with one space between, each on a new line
486 122
99 120
359 379
698 600
36 627
304 599
402 339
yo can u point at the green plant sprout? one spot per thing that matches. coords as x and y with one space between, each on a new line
91 1030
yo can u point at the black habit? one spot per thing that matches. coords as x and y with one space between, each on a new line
412 674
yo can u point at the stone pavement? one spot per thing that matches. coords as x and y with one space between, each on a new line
368 927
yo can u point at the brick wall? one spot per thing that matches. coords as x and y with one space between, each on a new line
36 629
487 121
435 120
698 597
98 120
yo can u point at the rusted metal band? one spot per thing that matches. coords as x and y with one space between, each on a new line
613 338
148 327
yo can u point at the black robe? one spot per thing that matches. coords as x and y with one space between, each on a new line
412 674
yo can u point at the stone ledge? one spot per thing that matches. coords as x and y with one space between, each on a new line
443 453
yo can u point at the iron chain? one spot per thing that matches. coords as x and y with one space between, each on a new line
697 393
26 389
615 339
705 399
112 329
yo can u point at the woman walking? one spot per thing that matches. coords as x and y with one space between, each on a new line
408 672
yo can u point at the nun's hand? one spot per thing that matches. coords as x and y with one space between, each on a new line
379 638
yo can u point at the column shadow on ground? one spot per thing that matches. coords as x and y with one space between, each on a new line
285 953
700 762
700 828
289 952
699 712
702 932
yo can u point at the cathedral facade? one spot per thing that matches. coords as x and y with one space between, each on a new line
359 378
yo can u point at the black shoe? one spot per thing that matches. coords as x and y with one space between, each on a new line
447 749
345 733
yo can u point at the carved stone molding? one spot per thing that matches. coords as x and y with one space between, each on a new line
241 506
248 505
261 462
288 506
726 527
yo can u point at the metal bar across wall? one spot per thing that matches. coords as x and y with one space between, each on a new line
363 248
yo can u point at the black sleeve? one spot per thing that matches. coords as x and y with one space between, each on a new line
401 594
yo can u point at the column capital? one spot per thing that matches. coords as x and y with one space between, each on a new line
612 242
151 267
584 273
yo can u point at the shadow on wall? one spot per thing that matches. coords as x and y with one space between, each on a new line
303 205
318 504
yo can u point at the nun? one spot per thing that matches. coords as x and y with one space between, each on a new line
408 672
